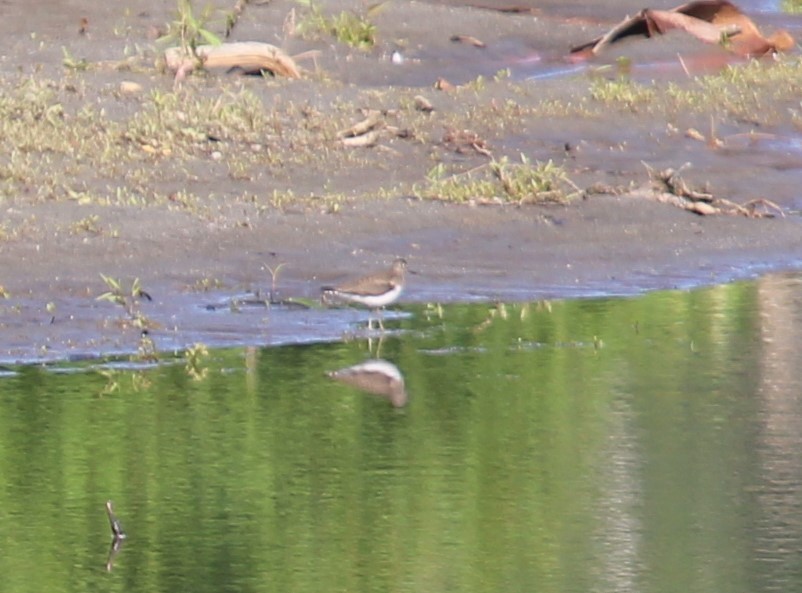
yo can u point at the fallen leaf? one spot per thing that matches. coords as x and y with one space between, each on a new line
443 85
468 40
711 21
695 134
465 141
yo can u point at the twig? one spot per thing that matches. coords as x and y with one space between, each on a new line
114 523
232 18
684 66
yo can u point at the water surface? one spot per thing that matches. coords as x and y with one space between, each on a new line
643 444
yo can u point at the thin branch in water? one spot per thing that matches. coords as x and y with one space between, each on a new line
116 527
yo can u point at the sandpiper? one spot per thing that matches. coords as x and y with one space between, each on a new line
376 376
375 290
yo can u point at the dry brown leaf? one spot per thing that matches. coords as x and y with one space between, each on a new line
695 134
662 21
468 40
443 85
465 141
711 21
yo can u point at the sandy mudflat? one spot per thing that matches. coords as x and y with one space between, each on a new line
190 257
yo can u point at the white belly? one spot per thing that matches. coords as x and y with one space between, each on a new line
373 301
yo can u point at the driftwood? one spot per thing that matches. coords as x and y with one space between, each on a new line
248 57
668 187
364 133
365 140
372 120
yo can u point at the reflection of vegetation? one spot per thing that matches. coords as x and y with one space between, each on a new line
519 445
792 6
194 357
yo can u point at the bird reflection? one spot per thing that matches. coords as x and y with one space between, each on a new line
375 376
118 536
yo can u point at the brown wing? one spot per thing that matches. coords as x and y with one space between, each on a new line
370 285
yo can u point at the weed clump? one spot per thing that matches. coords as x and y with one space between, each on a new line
350 28
502 181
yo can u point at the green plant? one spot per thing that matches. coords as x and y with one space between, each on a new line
346 27
89 225
189 29
477 84
540 182
501 181
503 74
128 299
207 284
621 90
71 63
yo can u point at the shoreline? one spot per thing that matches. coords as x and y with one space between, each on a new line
200 189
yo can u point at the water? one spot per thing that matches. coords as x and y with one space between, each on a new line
648 444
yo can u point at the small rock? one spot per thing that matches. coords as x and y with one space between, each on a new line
423 104
128 87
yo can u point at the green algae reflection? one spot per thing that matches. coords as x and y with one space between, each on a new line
599 445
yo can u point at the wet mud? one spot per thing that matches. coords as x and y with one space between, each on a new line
207 273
